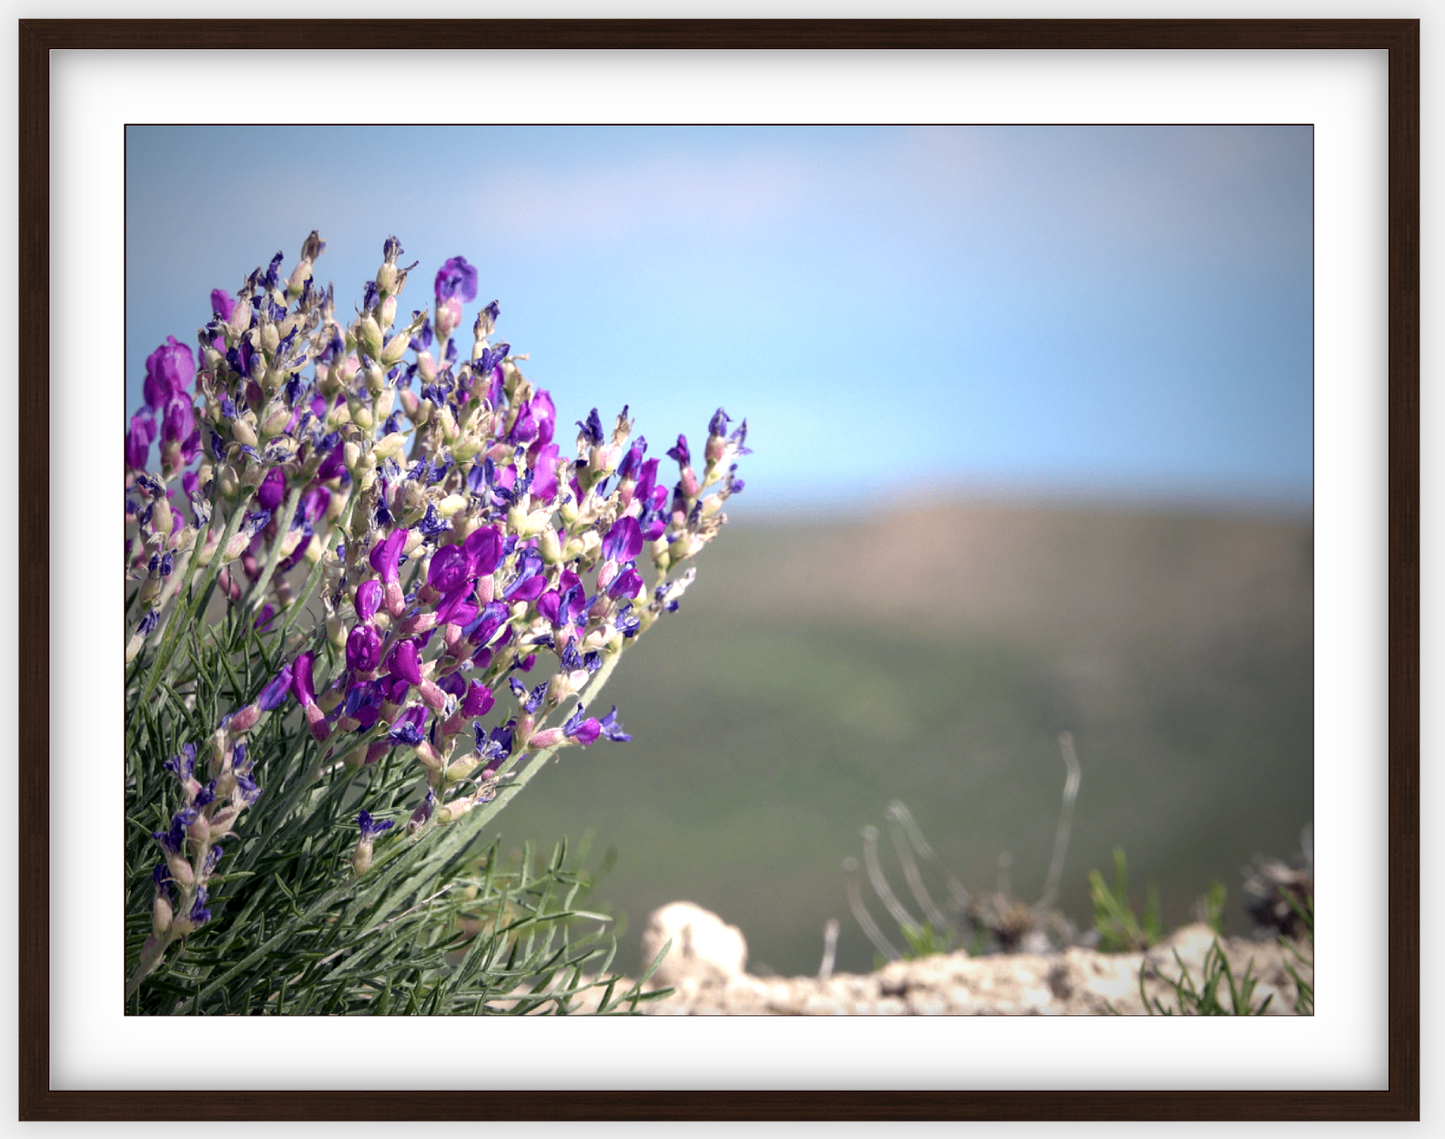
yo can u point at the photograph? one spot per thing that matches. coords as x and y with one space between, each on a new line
989 449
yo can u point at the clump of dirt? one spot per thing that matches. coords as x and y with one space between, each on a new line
1072 982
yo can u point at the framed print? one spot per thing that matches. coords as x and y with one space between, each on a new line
88 92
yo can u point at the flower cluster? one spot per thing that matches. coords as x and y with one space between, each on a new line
190 845
473 574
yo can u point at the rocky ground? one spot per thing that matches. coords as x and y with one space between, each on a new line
705 968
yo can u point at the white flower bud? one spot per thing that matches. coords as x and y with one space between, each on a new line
396 347
368 335
389 446
161 914
361 857
243 431
275 423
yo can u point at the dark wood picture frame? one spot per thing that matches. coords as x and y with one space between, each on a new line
1400 38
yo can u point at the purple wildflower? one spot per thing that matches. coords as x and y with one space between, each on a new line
371 828
611 728
368 599
363 649
484 548
272 489
623 541
456 277
584 732
179 420
274 694
386 555
173 840
478 700
449 568
138 439
183 766
168 371
199 915
405 661
628 583
591 430
301 679
408 727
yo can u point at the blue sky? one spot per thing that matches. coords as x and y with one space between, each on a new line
900 313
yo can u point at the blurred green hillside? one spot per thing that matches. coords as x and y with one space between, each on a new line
818 670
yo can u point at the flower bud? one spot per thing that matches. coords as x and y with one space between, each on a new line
448 317
161 517
361 414
243 432
390 446
361 857
396 348
276 422
240 318
180 869
161 914
604 461
455 809
368 335
244 719
199 831
559 688
463 767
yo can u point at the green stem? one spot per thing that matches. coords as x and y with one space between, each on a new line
283 527
150 956
187 606
539 761
293 611
435 846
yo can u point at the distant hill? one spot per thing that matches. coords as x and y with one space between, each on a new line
818 670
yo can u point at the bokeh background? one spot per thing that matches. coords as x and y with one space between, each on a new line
1032 418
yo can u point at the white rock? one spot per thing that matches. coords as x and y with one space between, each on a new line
705 949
